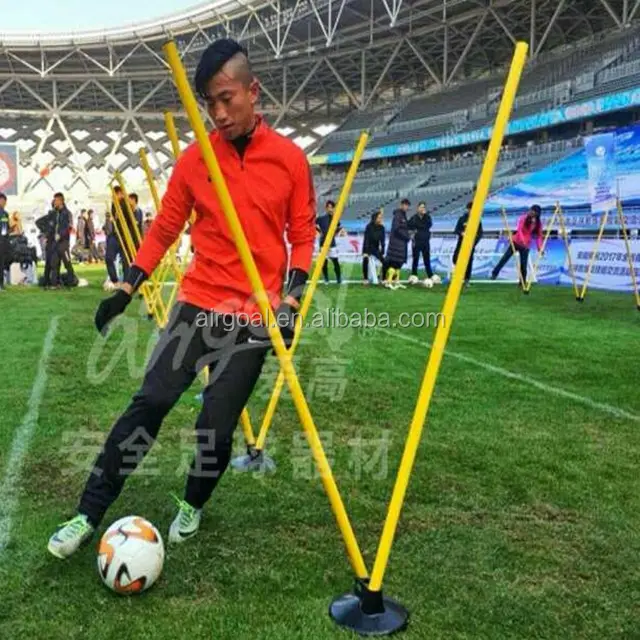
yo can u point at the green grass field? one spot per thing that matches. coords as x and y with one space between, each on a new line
522 519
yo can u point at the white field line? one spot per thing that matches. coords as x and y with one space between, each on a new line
11 480
505 373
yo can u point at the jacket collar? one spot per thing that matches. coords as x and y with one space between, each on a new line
259 132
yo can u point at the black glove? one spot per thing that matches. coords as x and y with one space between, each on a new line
110 308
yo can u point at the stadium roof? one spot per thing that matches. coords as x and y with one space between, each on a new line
317 59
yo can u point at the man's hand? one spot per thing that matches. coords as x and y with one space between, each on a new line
112 307
285 321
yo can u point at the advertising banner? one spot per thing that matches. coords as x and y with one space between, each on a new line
600 151
611 266
610 270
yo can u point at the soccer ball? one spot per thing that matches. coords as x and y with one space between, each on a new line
130 555
413 279
436 279
428 283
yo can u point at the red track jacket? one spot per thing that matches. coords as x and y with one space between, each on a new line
272 190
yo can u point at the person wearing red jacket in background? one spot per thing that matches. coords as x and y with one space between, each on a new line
216 321
529 225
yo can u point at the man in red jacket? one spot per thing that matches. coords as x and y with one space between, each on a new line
216 322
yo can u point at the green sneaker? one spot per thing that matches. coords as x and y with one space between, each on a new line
70 537
186 523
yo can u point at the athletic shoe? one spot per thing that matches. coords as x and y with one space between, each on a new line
70 537
186 523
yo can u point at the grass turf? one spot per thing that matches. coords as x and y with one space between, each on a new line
522 518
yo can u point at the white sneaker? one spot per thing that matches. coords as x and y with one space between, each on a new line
186 523
70 537
428 283
413 279
436 279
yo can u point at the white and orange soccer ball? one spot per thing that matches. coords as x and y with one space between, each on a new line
130 555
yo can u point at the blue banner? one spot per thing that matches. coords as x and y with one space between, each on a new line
546 119
600 151
611 269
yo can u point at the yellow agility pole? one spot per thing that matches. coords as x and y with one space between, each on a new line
632 271
536 264
255 458
594 253
172 132
169 261
441 336
313 283
516 254
222 191
157 309
156 291
128 247
565 238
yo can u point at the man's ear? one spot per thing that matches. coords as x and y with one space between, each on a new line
254 89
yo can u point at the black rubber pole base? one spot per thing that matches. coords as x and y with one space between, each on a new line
368 613
254 461
579 299
526 292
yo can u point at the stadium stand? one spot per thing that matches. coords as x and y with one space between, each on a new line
446 186
605 66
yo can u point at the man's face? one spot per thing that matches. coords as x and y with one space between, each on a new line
3 203
422 209
329 209
132 203
58 202
231 102
404 206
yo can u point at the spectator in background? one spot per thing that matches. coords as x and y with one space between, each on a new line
420 224
373 248
90 237
137 212
58 240
80 232
461 227
529 225
146 225
115 235
397 248
322 225
4 238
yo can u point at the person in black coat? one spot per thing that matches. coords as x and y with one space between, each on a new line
398 240
58 240
421 224
373 248
322 226
461 227
114 231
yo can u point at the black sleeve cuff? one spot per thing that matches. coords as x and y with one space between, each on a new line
135 277
297 280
